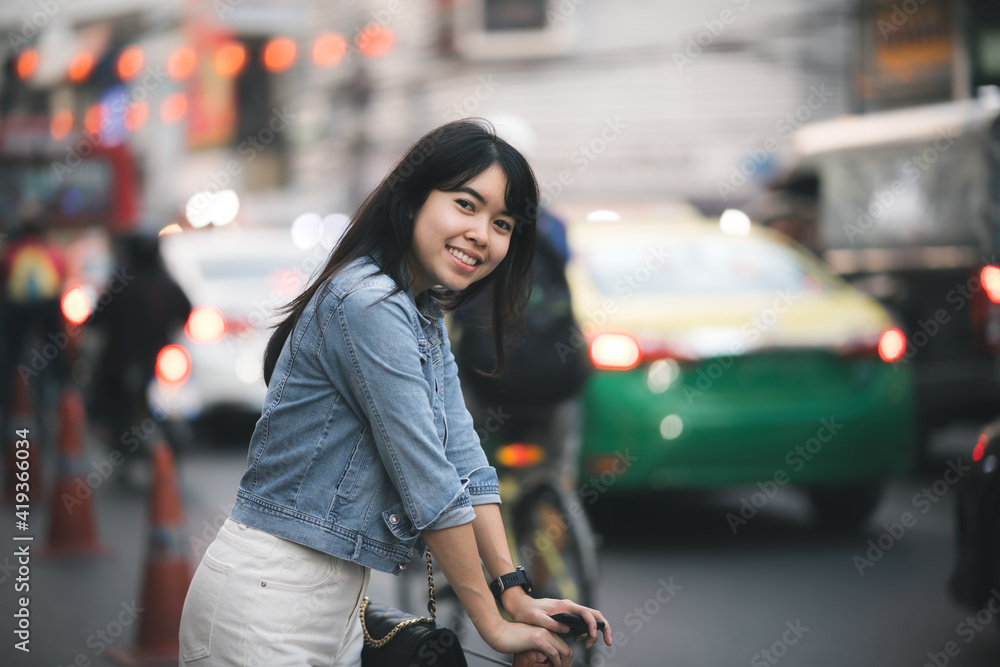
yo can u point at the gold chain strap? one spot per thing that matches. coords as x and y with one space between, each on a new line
431 607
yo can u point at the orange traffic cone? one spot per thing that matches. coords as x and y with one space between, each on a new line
72 527
22 428
167 575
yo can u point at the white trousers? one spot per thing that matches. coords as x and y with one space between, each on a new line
259 600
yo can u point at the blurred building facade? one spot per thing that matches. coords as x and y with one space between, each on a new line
632 99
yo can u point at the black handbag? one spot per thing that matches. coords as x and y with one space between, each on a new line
408 640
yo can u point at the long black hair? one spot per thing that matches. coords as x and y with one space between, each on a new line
443 159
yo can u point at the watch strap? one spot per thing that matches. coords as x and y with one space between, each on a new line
518 577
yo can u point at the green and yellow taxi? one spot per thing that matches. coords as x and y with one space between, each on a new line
725 354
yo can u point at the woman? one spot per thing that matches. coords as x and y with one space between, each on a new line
364 453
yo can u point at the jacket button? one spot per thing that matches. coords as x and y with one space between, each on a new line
393 519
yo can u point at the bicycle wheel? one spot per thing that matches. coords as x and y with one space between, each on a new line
555 544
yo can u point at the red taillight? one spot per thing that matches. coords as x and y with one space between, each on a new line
205 325
990 278
891 345
980 448
615 352
75 305
173 364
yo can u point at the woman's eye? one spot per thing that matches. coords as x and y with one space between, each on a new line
504 225
466 204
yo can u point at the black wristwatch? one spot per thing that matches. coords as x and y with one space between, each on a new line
518 577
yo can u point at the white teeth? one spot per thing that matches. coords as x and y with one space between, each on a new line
462 256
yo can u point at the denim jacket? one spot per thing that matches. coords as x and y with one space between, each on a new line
364 439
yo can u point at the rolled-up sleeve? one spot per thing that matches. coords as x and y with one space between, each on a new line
464 449
374 349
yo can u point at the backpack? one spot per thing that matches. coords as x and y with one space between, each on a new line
542 365
33 276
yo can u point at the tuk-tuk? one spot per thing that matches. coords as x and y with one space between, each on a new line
908 212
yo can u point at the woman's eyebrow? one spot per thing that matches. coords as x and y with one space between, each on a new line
466 189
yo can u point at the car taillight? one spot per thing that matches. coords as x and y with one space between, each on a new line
173 364
980 448
990 278
985 311
75 305
615 352
205 325
891 345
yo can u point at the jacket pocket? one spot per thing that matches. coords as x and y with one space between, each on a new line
198 615
354 468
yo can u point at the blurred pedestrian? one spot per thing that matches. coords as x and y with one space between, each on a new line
364 453
142 309
32 272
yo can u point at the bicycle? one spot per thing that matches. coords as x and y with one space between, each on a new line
548 532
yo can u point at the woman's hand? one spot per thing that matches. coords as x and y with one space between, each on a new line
529 641
526 609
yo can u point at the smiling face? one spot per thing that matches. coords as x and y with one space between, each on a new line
460 237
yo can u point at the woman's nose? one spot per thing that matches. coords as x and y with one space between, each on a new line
478 232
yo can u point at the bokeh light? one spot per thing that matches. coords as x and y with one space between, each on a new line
734 222
173 108
136 115
990 277
307 230
207 208
181 63
172 228
81 66
27 63
130 63
173 364
206 325
279 54
76 305
230 59
93 118
891 345
671 427
329 50
375 40
61 124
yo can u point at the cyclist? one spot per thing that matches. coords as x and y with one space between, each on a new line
537 397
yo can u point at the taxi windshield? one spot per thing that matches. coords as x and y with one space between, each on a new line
701 266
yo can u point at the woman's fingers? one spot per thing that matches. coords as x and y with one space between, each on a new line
590 617
556 650
519 638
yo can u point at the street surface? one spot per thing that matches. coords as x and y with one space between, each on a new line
678 587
